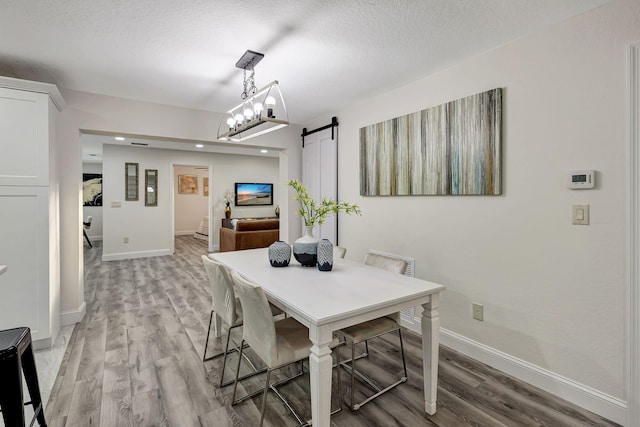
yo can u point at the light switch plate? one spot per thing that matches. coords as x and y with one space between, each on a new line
580 214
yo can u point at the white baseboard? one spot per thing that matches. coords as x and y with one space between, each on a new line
71 317
184 233
584 396
132 255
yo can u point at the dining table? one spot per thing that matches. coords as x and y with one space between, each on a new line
327 301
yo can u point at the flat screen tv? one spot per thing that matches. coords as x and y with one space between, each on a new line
254 194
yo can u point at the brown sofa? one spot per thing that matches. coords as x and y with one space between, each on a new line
249 234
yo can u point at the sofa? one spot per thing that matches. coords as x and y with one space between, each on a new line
240 234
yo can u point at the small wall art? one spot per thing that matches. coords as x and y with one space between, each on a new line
187 184
450 149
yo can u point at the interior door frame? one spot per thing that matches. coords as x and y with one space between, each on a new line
172 202
633 228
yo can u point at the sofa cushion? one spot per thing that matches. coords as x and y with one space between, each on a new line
257 224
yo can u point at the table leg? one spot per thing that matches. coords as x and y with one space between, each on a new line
320 365
430 351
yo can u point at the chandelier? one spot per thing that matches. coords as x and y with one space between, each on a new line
261 111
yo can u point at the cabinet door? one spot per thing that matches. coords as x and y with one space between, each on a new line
24 142
24 287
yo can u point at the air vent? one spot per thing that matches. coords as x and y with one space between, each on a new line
141 144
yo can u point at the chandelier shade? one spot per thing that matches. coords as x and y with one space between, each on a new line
261 111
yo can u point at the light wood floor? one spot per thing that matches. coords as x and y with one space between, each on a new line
135 360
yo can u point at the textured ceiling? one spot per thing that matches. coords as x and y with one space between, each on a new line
324 53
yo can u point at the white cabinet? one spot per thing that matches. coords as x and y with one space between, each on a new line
29 219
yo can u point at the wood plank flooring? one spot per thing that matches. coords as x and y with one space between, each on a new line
136 360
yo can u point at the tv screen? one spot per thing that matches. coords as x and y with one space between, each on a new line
254 194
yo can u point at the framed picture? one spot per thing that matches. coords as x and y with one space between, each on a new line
205 186
92 189
187 184
131 181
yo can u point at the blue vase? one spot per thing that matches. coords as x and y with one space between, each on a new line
325 255
279 254
305 249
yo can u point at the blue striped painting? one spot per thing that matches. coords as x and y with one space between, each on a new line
450 149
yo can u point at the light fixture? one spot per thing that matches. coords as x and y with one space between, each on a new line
248 119
199 146
119 138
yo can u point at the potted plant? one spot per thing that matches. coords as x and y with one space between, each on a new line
312 213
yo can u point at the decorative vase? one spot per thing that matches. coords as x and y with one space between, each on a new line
305 249
279 254
227 211
278 211
325 255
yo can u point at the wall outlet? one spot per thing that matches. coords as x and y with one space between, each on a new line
477 311
125 240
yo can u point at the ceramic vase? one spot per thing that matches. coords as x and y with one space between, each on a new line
325 255
305 249
279 254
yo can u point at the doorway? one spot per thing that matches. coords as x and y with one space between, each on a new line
191 202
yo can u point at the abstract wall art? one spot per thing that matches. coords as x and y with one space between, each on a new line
92 189
450 149
187 184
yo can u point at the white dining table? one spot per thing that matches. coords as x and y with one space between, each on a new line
328 301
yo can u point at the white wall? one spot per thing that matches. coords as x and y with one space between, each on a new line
148 228
189 208
553 292
97 113
95 231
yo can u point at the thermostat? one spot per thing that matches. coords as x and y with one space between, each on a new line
579 180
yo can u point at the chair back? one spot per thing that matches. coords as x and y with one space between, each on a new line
258 328
386 263
222 291
394 265
87 222
339 251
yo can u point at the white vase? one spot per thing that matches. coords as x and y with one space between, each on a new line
305 249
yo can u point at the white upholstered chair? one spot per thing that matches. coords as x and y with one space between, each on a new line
225 305
339 251
276 343
374 328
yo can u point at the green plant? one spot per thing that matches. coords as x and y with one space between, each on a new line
313 213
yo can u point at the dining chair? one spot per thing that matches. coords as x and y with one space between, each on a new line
86 224
225 305
339 251
277 343
371 329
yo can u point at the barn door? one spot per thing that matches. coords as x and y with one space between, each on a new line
320 172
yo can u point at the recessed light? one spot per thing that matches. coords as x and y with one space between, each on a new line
92 155
199 146
119 138
264 151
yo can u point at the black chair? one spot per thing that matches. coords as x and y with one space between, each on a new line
16 358
87 225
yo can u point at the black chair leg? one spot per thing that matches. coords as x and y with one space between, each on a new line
87 238
31 378
11 392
